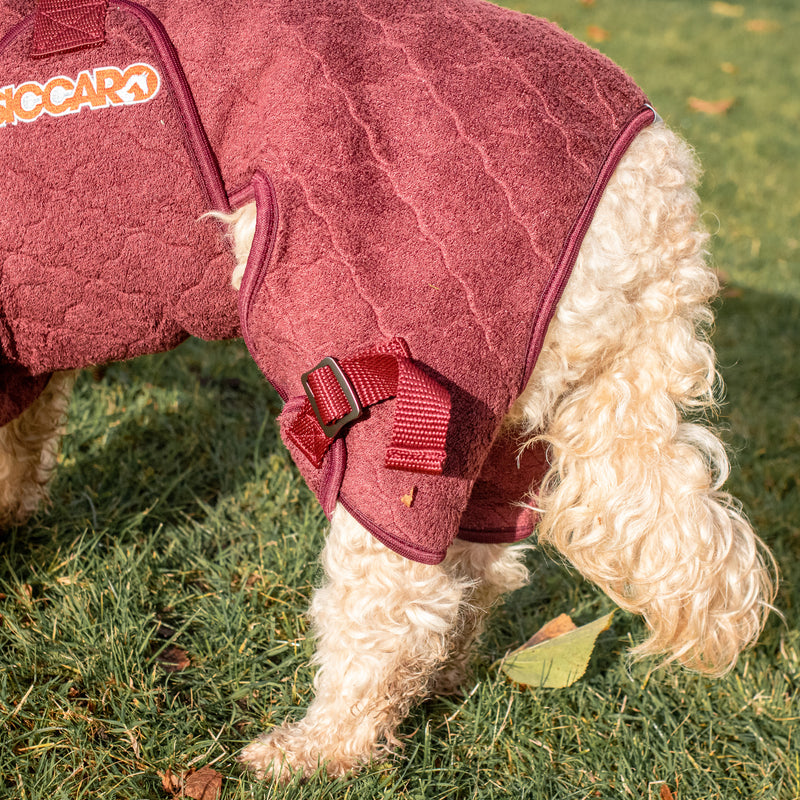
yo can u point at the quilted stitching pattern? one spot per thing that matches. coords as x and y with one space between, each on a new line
430 159
105 256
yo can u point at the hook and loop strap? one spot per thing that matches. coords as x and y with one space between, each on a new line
63 25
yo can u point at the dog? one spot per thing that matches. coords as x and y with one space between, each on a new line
625 479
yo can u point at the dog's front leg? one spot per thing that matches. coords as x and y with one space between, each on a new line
383 625
29 448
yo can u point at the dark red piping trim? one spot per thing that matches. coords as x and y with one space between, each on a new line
398 546
497 535
238 197
199 146
197 141
258 260
15 31
641 119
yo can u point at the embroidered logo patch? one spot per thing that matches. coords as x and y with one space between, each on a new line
94 89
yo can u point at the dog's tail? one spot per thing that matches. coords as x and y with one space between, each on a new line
634 494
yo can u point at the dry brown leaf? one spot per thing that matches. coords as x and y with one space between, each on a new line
597 34
666 792
173 659
550 630
205 784
164 631
762 26
711 106
408 499
727 9
252 579
725 289
170 781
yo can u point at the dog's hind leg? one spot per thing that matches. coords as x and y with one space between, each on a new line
383 628
28 450
489 571
634 494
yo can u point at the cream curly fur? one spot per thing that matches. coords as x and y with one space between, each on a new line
633 497
28 450
385 628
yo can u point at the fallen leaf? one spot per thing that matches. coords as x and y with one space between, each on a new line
164 631
173 659
762 26
728 68
711 106
727 9
559 662
252 579
725 289
137 750
170 782
666 792
597 34
408 499
205 784
556 627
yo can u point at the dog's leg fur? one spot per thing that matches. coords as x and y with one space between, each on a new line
633 497
383 626
28 450
492 571
388 632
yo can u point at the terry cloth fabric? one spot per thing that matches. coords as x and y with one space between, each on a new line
104 252
432 167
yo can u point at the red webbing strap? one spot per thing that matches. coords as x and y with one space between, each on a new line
62 25
421 416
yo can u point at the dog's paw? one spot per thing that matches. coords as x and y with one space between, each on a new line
272 757
287 750
333 748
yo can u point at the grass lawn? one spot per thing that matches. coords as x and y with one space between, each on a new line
180 530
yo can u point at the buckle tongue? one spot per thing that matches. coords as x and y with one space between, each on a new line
332 429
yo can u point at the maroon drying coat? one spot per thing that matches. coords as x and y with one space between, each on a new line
425 171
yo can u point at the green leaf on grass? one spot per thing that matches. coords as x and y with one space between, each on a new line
556 662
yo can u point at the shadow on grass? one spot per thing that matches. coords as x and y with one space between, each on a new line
203 427
758 342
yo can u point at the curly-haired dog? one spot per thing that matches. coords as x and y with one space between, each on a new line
486 234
